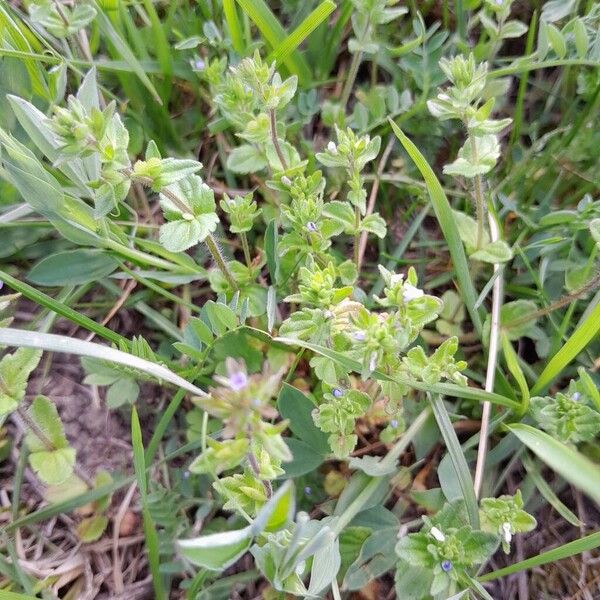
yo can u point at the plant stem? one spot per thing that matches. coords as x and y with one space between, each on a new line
282 160
392 456
213 248
246 248
357 238
491 364
479 203
352 73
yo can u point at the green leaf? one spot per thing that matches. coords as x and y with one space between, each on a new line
341 212
73 267
577 469
50 456
150 533
14 372
305 458
458 459
271 243
556 40
294 406
246 159
578 340
109 32
92 528
494 252
444 215
123 391
374 224
216 551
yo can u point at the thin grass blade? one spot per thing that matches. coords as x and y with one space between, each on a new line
443 212
576 468
579 339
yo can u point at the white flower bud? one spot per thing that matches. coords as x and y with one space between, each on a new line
437 534
410 292
332 148
286 180
506 532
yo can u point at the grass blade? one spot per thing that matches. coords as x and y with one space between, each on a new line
576 468
444 215
12 35
270 28
150 533
235 28
512 363
107 29
60 343
61 309
548 493
579 339
445 389
308 25
589 542
457 457
161 45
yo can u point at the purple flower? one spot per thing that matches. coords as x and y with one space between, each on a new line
312 227
238 380
308 490
446 566
337 392
394 423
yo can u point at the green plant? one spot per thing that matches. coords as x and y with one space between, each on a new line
236 222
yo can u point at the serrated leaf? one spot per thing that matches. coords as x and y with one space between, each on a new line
494 252
14 372
246 159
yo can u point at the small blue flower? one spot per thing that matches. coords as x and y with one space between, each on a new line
394 423
446 566
238 380
576 396
337 392
186 474
308 490
312 227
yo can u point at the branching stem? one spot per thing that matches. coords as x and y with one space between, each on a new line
213 248
282 160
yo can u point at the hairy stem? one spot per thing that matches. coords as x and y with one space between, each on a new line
350 79
275 141
491 363
246 248
213 248
479 202
357 238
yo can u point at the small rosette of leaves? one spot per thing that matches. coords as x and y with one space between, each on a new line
437 560
64 22
567 417
242 212
505 517
337 416
440 365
